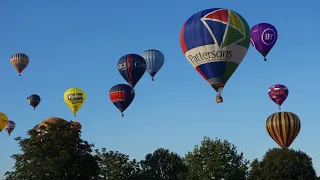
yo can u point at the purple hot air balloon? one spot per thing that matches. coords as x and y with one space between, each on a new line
263 38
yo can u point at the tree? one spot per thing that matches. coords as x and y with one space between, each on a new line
116 166
162 165
285 164
54 152
256 171
216 160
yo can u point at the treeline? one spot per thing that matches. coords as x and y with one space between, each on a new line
58 153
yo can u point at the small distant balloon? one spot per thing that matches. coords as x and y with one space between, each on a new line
34 100
263 37
154 60
74 98
132 67
121 96
3 120
278 93
19 61
10 127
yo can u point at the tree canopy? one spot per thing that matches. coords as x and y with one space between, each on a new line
283 164
116 166
56 151
163 165
216 159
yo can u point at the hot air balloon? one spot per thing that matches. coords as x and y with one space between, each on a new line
74 98
278 93
263 38
52 120
121 96
10 127
34 100
283 127
76 125
3 120
132 67
215 41
154 60
19 61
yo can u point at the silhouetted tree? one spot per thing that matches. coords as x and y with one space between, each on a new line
56 152
255 171
116 166
162 165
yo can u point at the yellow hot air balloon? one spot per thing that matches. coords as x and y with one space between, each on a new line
74 98
3 121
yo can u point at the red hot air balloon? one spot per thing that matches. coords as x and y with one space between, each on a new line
278 93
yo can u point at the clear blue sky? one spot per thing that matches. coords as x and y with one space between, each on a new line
78 44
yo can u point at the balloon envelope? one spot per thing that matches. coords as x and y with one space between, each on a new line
74 98
154 60
132 67
34 100
10 127
3 120
215 41
19 61
278 93
283 128
263 37
76 125
121 96
52 120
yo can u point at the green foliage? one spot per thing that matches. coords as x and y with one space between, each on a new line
57 152
54 153
216 160
116 166
284 164
162 165
256 171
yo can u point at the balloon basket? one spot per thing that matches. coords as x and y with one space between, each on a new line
219 99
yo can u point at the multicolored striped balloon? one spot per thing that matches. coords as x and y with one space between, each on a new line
278 93
10 127
283 128
215 41
19 61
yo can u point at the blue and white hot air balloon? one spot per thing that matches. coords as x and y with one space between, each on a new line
215 41
154 60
